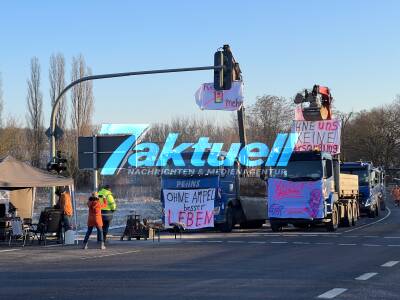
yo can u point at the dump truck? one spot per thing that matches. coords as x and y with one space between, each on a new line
312 190
371 186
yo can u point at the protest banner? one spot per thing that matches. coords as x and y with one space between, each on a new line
291 199
318 135
194 208
208 98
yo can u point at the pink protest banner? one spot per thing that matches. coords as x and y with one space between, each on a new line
193 208
208 98
291 199
318 135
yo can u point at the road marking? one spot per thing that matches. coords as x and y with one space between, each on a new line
236 242
380 220
371 236
347 244
323 243
332 293
391 237
194 241
366 276
10 250
390 263
256 242
214 241
393 245
351 236
371 245
108 255
276 242
301 243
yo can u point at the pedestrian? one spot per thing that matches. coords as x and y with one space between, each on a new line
95 204
396 195
65 205
107 212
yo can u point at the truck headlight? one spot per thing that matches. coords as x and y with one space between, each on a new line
217 210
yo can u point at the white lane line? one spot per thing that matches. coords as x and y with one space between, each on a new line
351 236
366 276
347 244
371 236
276 242
10 250
257 242
390 263
380 220
371 245
108 255
391 237
332 293
393 245
193 241
214 241
236 242
321 243
301 243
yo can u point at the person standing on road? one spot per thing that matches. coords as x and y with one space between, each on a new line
396 195
107 212
94 219
65 204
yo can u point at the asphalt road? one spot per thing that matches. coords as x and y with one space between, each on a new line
359 262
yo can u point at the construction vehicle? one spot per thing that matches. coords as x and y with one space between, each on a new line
312 190
371 189
319 101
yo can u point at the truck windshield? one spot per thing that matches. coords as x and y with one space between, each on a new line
362 175
299 171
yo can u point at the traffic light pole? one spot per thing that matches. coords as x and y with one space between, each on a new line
105 76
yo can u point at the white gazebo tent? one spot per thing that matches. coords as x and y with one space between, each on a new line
21 180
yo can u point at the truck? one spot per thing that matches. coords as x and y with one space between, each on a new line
312 190
371 186
233 203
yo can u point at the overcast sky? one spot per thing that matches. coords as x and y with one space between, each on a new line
282 47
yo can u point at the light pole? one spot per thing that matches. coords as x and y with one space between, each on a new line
105 76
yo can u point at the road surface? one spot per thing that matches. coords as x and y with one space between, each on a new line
354 263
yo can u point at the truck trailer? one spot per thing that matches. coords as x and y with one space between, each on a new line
312 190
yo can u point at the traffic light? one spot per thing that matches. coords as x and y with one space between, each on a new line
223 77
58 163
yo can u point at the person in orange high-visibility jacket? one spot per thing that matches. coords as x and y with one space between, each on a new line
95 205
396 195
107 212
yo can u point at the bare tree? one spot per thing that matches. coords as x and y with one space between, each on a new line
57 84
34 101
81 114
82 98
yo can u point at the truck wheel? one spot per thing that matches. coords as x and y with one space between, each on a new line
332 225
355 214
228 225
348 218
275 226
371 212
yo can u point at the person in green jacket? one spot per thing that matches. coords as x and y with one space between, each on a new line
107 212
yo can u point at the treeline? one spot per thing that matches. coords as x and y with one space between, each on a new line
27 141
370 135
